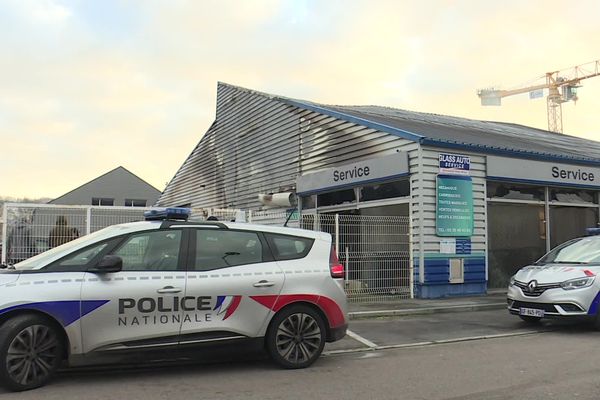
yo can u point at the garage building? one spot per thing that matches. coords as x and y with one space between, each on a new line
484 198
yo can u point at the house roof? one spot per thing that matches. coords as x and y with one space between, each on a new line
102 176
462 133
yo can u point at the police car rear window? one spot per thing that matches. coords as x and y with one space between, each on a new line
224 248
286 247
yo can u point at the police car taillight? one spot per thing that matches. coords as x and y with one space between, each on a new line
335 267
176 213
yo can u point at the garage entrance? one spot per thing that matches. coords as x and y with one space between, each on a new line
526 221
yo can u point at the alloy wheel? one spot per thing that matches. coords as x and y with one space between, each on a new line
32 354
298 338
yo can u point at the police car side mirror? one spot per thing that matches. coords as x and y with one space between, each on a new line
108 264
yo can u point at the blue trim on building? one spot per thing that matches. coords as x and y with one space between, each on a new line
378 180
479 148
356 120
475 269
544 183
449 290
475 254
437 270
437 277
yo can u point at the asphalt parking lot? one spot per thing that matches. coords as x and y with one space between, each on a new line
419 330
482 343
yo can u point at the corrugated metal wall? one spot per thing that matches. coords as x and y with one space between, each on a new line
430 171
251 148
259 144
424 207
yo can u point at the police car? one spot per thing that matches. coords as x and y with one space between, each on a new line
562 284
168 284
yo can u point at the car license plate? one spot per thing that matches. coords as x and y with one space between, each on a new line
531 312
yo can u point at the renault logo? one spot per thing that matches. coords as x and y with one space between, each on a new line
532 285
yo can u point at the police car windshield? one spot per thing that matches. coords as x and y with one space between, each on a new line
577 251
52 254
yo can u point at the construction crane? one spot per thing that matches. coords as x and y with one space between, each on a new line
562 87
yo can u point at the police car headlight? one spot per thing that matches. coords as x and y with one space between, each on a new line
511 282
577 283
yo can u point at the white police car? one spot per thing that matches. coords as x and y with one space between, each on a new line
562 284
169 284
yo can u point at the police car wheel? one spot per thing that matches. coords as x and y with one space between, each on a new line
530 320
296 337
31 350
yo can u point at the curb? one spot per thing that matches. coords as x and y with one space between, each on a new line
425 310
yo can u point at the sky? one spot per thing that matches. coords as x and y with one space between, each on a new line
90 85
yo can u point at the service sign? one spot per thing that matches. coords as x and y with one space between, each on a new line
454 164
358 172
543 172
454 212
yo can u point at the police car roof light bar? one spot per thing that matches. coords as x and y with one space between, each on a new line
173 213
592 231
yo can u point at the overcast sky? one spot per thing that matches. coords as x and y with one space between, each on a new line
86 86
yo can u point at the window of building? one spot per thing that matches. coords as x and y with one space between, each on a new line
511 191
385 190
573 196
135 203
309 202
102 201
221 249
336 198
567 223
519 232
516 238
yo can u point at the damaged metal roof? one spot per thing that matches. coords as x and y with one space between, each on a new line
454 132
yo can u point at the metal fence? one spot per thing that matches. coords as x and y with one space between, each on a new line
29 229
374 249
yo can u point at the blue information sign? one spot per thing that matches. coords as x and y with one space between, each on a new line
463 246
454 214
454 164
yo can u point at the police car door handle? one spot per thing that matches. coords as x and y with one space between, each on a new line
169 289
264 283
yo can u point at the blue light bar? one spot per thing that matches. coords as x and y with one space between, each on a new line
592 231
176 213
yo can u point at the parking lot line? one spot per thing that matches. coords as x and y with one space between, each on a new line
361 339
428 343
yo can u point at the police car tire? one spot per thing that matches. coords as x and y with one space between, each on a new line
530 320
9 330
282 320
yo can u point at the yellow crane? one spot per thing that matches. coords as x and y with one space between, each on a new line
562 87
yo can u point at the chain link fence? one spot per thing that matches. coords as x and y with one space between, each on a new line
375 250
